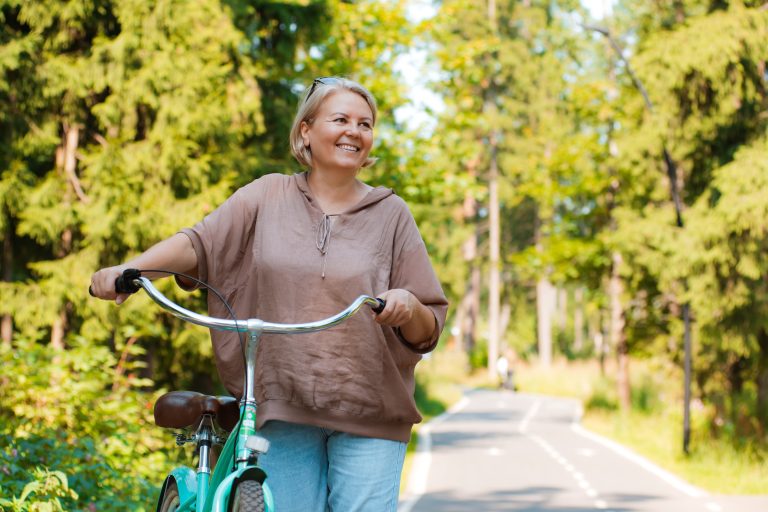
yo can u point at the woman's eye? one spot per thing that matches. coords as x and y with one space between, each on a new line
339 120
367 126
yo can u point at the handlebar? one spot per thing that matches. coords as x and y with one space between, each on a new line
130 281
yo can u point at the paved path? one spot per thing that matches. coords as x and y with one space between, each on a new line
504 451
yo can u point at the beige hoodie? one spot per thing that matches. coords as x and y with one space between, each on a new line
276 256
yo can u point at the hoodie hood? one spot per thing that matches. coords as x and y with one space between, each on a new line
374 195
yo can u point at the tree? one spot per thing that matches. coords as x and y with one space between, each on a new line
121 122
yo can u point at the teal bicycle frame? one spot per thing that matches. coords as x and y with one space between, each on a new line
201 491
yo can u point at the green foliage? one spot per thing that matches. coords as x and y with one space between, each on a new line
120 123
42 493
478 355
603 397
71 422
123 121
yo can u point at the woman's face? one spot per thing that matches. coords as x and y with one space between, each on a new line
341 135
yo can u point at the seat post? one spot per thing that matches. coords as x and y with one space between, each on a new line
204 440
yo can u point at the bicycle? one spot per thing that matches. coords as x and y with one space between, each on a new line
237 482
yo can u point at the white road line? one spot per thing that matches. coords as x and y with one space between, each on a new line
581 480
422 459
527 418
666 476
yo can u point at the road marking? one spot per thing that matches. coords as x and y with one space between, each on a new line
644 463
581 480
530 414
422 459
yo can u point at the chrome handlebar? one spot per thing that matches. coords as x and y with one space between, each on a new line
253 324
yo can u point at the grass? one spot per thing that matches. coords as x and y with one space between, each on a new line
723 466
717 467
653 427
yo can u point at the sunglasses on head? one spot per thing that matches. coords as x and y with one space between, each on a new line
323 80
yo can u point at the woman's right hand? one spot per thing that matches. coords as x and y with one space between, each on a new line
103 284
175 254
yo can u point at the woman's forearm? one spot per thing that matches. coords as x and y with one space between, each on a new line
174 254
419 329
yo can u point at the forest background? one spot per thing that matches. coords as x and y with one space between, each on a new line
588 190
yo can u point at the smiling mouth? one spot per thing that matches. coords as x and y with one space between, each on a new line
347 147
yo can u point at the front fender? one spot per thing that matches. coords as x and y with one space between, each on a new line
186 483
221 498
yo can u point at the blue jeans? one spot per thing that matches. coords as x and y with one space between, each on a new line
312 469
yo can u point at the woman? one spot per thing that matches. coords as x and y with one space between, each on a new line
337 406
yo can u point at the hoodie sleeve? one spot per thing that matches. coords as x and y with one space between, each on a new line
220 239
412 271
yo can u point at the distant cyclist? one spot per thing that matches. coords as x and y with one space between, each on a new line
337 406
505 371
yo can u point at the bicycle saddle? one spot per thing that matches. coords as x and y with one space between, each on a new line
182 409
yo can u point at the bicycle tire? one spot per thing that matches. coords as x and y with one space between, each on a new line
170 501
248 496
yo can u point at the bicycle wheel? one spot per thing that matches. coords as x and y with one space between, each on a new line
170 500
248 496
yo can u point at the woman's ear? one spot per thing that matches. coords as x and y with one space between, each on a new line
304 127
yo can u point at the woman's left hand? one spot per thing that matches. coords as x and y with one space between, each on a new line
403 310
401 305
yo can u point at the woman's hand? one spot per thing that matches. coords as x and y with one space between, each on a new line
174 254
400 307
415 320
103 284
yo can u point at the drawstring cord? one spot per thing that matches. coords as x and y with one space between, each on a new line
323 240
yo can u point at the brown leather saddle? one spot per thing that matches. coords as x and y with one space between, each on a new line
183 409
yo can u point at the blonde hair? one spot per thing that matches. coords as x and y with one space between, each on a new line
310 103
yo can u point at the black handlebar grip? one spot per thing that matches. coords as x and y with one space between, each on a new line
125 281
382 304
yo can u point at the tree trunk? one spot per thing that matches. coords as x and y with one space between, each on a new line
473 299
562 309
6 323
470 303
618 337
578 319
504 316
595 334
66 161
494 272
6 329
545 306
58 330
761 408
494 278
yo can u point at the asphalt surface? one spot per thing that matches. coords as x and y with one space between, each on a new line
505 451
